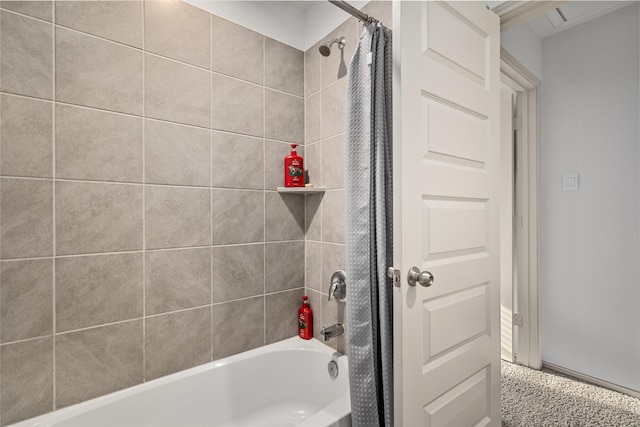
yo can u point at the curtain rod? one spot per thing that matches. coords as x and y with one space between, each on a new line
353 11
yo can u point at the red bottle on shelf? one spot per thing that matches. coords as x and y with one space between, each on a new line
293 169
305 320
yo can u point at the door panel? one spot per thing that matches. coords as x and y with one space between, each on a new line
468 236
449 223
465 151
468 308
454 41
473 392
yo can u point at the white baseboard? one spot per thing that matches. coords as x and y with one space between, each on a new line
592 380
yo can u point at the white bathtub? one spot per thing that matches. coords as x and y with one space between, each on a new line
282 384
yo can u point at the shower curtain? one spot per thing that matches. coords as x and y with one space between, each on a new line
369 220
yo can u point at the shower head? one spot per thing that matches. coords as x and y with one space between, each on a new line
325 48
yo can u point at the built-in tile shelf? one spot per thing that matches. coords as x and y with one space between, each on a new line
301 190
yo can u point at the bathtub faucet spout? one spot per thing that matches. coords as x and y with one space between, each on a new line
332 331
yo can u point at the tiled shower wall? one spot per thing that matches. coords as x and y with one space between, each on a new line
325 108
140 144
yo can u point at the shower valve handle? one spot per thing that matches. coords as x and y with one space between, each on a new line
425 278
338 289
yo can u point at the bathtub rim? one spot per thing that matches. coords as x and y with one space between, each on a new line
337 409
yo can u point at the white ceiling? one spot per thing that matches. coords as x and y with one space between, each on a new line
301 23
302 5
298 23
575 13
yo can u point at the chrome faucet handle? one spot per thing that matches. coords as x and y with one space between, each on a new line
338 289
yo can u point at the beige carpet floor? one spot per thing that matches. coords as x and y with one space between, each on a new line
544 398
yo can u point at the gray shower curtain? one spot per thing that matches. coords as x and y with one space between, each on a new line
369 219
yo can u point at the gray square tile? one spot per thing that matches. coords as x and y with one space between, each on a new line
334 100
238 216
177 279
238 272
98 145
313 117
281 310
313 217
26 369
93 290
168 335
275 152
312 67
94 217
97 73
333 216
333 259
334 66
335 312
26 218
284 266
236 51
178 30
313 265
26 299
176 154
315 302
177 217
26 56
237 106
26 132
37 9
333 162
120 21
97 361
177 92
227 149
284 216
284 117
226 317
313 163
284 67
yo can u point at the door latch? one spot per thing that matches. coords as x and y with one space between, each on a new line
518 320
394 275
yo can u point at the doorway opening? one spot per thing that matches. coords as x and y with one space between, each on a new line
520 153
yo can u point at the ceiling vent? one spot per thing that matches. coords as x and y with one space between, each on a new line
572 13
557 17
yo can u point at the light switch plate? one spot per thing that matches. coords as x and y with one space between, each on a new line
570 182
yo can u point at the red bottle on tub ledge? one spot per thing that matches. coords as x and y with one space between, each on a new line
305 320
293 169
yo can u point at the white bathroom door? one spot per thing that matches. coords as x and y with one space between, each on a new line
447 170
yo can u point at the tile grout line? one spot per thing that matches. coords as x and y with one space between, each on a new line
306 143
264 194
319 211
108 324
144 194
1 409
134 319
141 251
136 116
211 183
54 328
